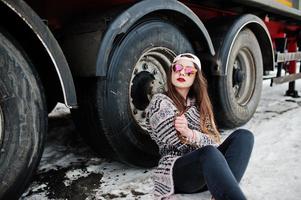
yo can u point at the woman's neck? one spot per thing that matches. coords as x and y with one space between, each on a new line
183 92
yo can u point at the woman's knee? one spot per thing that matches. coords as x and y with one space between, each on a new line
244 135
208 149
208 152
211 158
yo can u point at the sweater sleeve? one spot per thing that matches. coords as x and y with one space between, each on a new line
202 139
161 113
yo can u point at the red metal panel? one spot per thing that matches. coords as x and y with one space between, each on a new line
207 13
280 29
292 47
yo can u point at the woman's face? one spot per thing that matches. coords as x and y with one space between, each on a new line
183 78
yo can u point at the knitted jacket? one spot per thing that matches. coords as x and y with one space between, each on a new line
160 115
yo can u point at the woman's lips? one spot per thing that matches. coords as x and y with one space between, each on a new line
181 79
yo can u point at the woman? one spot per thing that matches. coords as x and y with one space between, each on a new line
183 126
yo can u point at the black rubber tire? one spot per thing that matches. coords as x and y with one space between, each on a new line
87 119
231 112
112 109
24 119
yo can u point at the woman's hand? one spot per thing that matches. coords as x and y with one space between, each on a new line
181 126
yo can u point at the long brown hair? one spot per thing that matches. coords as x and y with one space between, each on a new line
198 90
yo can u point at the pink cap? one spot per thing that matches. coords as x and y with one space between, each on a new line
189 57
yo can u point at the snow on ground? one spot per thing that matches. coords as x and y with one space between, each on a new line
69 169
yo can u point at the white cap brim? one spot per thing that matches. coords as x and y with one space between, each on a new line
189 57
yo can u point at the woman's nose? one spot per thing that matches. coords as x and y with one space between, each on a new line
182 72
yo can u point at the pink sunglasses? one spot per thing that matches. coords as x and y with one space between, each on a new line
187 69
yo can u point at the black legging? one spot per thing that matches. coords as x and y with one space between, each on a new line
220 169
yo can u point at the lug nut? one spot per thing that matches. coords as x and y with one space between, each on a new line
145 67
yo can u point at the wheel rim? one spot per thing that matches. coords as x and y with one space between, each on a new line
148 78
243 76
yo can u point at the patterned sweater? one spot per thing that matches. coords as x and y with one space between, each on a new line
160 115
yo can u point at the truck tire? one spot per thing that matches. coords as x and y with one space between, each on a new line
238 93
87 119
23 119
136 72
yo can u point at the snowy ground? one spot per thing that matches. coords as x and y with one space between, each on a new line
70 170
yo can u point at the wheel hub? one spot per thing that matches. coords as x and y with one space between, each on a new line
238 76
243 76
148 78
